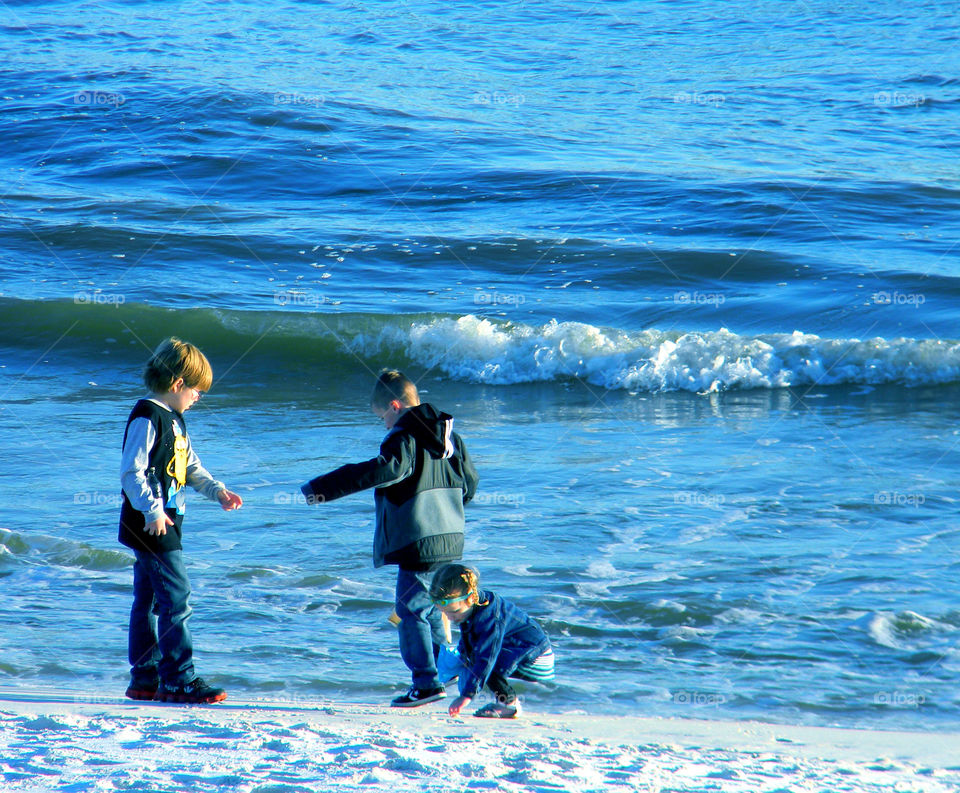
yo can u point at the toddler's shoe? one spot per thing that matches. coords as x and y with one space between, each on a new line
499 710
194 692
142 691
419 696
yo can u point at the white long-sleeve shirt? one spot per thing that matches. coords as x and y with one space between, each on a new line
135 460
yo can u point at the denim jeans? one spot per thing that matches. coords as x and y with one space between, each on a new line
505 666
160 645
421 627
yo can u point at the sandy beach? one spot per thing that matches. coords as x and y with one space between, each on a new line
94 743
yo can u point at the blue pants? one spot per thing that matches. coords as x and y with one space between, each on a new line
421 627
160 645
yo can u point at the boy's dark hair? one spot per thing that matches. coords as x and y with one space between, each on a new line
453 579
393 385
174 359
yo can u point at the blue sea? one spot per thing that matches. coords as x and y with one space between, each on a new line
686 273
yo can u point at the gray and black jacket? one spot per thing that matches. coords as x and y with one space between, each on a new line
423 477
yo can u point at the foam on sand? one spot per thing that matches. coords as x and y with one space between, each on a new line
51 743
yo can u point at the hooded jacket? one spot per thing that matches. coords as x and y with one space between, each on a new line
497 636
423 477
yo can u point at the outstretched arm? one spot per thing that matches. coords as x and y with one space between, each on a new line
200 479
393 464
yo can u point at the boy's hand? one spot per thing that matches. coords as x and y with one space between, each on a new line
459 704
229 500
158 526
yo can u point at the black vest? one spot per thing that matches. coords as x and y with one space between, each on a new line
165 486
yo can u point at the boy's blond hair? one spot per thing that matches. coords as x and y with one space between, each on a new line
174 359
393 385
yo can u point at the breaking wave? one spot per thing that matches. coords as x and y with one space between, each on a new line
478 349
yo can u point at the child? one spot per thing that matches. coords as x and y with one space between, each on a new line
497 640
423 477
157 461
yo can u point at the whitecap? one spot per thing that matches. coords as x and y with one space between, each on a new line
478 349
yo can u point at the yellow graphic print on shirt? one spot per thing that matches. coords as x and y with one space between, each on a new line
177 467
177 470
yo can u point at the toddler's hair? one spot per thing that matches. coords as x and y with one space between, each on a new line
174 359
453 579
393 385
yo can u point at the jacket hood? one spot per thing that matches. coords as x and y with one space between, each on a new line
433 429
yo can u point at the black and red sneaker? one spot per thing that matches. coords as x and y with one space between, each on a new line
142 691
194 692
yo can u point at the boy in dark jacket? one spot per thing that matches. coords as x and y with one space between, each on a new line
497 640
423 477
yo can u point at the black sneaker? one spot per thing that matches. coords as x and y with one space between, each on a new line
196 691
142 691
419 696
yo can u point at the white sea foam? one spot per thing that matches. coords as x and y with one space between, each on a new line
475 349
900 631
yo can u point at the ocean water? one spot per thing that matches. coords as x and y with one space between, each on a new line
686 274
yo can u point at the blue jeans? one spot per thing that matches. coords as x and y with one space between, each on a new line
160 645
420 629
